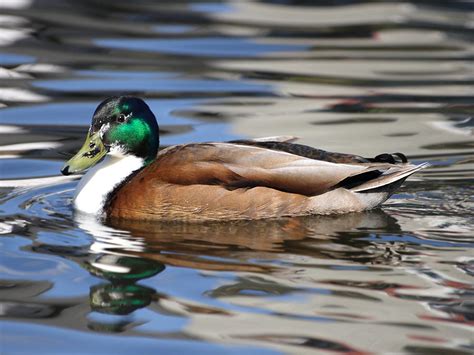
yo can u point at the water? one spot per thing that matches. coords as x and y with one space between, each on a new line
350 76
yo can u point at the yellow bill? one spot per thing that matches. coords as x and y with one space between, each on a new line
91 153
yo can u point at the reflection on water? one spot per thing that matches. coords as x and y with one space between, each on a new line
351 76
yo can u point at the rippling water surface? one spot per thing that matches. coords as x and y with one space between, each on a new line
353 76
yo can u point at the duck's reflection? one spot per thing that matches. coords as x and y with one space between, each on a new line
121 295
124 252
229 246
235 243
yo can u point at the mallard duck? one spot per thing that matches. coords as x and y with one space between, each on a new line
243 179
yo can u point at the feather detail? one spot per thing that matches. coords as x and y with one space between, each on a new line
395 173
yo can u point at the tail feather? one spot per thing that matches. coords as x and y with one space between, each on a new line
394 174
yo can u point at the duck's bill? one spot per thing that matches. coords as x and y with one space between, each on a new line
90 154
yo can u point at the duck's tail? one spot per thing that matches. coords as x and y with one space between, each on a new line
390 179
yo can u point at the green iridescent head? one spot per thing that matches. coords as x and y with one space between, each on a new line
122 124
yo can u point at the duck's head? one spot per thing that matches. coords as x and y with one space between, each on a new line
121 125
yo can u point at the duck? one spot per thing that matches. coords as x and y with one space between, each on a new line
129 178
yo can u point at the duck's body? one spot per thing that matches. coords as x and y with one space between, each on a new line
234 180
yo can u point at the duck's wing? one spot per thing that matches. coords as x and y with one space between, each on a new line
234 165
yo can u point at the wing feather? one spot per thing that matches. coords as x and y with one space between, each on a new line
236 166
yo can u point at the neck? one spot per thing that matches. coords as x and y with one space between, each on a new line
95 186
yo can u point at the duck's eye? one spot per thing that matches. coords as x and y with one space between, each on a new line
121 118
92 145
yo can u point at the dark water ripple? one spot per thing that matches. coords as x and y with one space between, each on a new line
350 76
